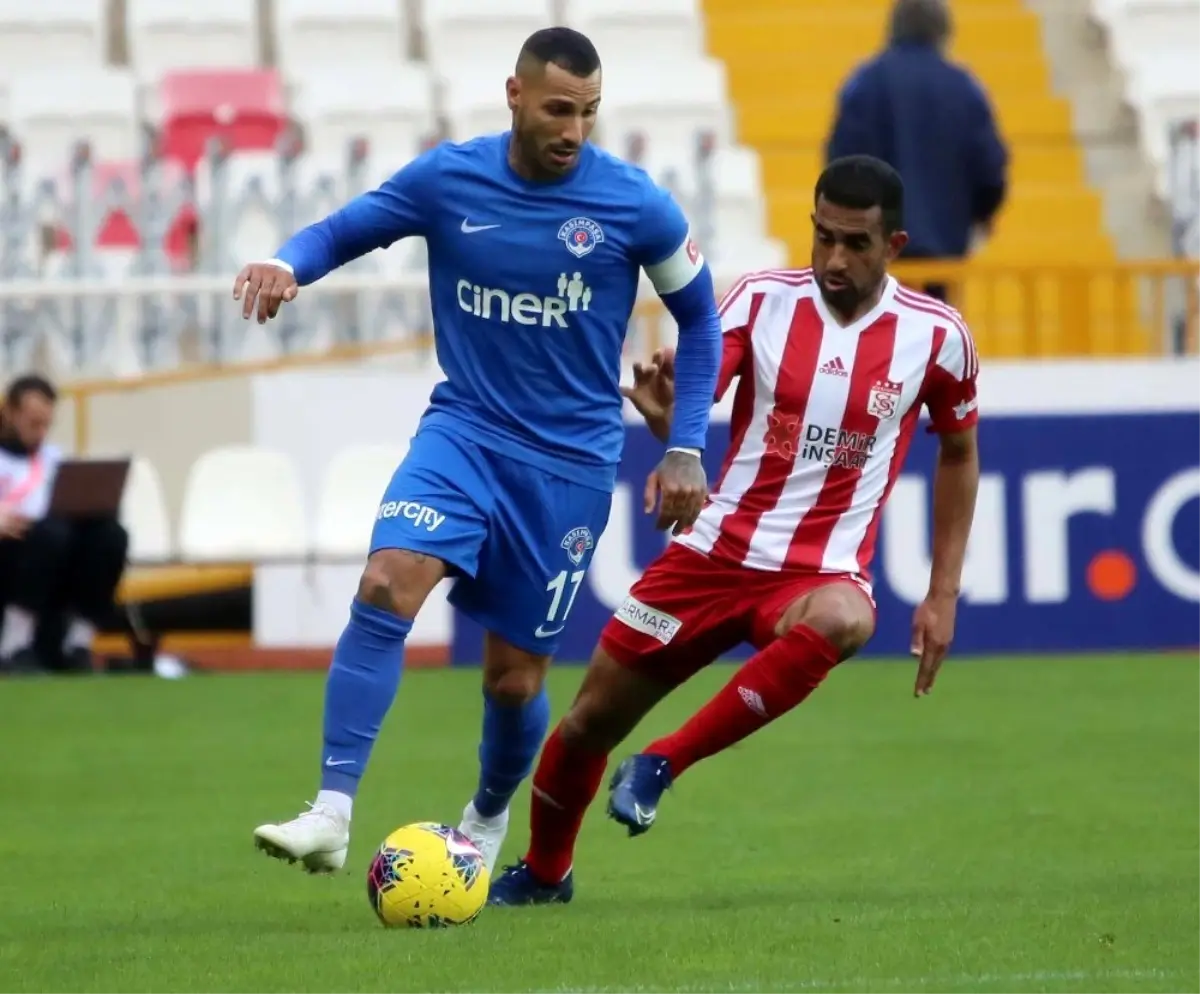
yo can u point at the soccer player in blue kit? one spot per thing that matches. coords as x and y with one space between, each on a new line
536 239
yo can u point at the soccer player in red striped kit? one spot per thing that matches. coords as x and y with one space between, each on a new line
834 365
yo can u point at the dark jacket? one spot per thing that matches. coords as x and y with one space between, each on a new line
930 121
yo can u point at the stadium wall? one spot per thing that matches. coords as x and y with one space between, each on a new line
174 423
1087 533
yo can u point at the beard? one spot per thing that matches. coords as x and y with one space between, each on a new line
844 299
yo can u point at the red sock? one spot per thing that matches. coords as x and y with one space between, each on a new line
770 684
564 784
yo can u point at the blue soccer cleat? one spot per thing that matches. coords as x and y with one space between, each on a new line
517 886
635 791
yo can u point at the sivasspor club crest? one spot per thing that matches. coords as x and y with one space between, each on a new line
883 400
577 542
580 235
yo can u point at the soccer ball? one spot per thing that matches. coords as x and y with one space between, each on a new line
427 875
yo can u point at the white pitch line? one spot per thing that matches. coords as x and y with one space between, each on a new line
903 983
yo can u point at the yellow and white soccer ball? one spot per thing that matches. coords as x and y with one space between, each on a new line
427 875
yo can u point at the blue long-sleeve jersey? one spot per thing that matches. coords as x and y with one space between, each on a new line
533 286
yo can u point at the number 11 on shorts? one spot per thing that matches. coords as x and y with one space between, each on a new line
554 620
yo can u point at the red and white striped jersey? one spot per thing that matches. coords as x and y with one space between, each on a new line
823 417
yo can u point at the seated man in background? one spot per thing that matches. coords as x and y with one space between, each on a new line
48 566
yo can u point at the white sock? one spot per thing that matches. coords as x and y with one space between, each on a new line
19 628
80 634
343 804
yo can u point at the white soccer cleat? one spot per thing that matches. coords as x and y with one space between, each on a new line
487 833
318 838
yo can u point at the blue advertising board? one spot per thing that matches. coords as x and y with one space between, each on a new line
1086 538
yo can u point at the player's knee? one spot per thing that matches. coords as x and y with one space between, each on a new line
589 726
398 581
839 614
576 727
514 685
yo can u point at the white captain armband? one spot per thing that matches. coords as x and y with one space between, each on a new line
680 448
678 269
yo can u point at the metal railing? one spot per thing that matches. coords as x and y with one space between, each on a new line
167 305
77 301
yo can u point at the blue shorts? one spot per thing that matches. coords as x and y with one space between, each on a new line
518 540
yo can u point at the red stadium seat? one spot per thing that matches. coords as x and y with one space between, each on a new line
245 108
119 230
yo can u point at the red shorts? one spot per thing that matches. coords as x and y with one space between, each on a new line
688 610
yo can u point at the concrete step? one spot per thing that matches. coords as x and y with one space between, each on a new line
1107 127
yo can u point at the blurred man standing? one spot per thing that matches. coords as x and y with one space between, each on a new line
931 121
47 565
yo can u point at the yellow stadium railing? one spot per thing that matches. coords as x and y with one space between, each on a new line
1070 310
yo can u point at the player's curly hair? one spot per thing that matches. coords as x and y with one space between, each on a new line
565 47
862 182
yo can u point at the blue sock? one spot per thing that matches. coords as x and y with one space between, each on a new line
512 737
360 688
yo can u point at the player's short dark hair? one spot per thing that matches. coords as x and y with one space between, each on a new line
17 389
861 182
920 22
564 47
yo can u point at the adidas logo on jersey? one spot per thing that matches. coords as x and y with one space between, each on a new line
835 367
530 309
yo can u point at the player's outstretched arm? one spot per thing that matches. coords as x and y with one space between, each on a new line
376 219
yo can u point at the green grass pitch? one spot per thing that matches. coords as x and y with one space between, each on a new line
1032 826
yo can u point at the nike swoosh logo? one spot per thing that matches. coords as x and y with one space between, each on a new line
469 229
330 761
540 633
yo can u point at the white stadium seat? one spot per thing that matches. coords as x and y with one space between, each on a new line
191 34
392 105
242 503
35 34
1146 26
475 103
485 36
639 28
348 32
51 110
731 255
351 491
1154 43
144 515
671 101
735 175
1164 91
